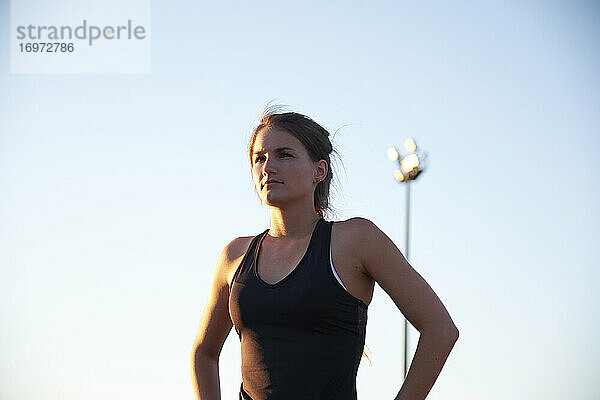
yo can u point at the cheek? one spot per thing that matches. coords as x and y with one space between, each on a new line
305 173
255 176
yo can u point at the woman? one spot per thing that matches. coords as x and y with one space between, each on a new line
301 321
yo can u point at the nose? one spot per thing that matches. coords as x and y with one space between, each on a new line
269 165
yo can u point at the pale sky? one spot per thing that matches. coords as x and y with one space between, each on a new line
118 191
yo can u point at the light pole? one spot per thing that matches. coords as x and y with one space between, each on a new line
409 168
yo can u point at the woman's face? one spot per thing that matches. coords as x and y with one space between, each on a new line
281 158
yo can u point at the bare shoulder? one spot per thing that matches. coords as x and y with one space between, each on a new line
355 231
358 236
236 248
352 235
355 226
231 256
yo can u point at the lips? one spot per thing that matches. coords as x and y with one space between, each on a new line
271 181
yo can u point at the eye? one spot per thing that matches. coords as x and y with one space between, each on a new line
286 154
258 158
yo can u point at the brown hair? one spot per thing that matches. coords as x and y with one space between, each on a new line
313 136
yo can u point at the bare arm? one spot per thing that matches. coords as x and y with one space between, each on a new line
205 377
416 300
215 325
432 351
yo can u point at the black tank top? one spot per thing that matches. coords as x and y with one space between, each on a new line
302 337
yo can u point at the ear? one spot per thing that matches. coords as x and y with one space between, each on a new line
321 170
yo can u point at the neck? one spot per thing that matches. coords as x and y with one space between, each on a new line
292 224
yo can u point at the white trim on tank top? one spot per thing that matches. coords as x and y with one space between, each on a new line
333 269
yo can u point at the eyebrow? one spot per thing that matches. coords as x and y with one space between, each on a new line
277 150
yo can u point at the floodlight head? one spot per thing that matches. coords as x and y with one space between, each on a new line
392 154
409 163
410 145
399 175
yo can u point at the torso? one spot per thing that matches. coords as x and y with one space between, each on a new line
275 263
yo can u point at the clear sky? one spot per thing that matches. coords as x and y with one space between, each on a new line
118 191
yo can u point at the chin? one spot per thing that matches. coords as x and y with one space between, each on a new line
271 201
274 200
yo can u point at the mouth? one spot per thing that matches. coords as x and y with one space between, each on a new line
272 182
